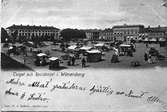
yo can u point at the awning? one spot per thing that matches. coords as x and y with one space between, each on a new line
162 40
125 45
72 47
146 39
10 47
153 40
99 45
53 58
18 45
85 48
94 51
41 54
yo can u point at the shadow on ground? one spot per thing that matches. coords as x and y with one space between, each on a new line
60 68
7 63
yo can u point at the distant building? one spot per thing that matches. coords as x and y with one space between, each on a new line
106 34
124 32
29 32
92 34
155 32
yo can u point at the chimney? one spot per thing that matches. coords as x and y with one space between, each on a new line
159 26
148 26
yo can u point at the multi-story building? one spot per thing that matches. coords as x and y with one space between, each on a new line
106 34
92 34
29 32
155 33
124 32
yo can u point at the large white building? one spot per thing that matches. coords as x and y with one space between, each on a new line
122 32
106 34
29 32
92 34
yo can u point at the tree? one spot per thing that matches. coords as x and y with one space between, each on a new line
4 35
72 34
14 36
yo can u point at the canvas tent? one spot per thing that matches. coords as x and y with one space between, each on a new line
94 56
54 62
162 42
125 49
153 40
73 48
162 39
84 49
99 45
41 59
41 54
102 46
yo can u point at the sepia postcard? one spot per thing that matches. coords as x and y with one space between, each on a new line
83 55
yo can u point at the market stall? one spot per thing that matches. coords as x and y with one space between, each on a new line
162 42
101 46
153 40
54 62
84 49
145 40
94 56
41 59
125 49
73 48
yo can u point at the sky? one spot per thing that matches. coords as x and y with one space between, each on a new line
83 14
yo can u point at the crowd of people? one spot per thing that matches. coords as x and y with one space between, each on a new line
151 55
72 61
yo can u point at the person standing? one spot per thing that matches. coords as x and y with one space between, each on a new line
149 59
73 60
145 56
83 62
146 45
24 59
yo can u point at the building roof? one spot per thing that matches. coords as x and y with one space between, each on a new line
32 27
107 30
92 30
154 29
127 26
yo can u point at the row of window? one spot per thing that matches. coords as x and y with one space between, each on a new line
29 31
158 34
127 32
42 33
36 31
30 34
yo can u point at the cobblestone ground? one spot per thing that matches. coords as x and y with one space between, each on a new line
105 63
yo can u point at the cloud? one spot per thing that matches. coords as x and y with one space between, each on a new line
83 13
